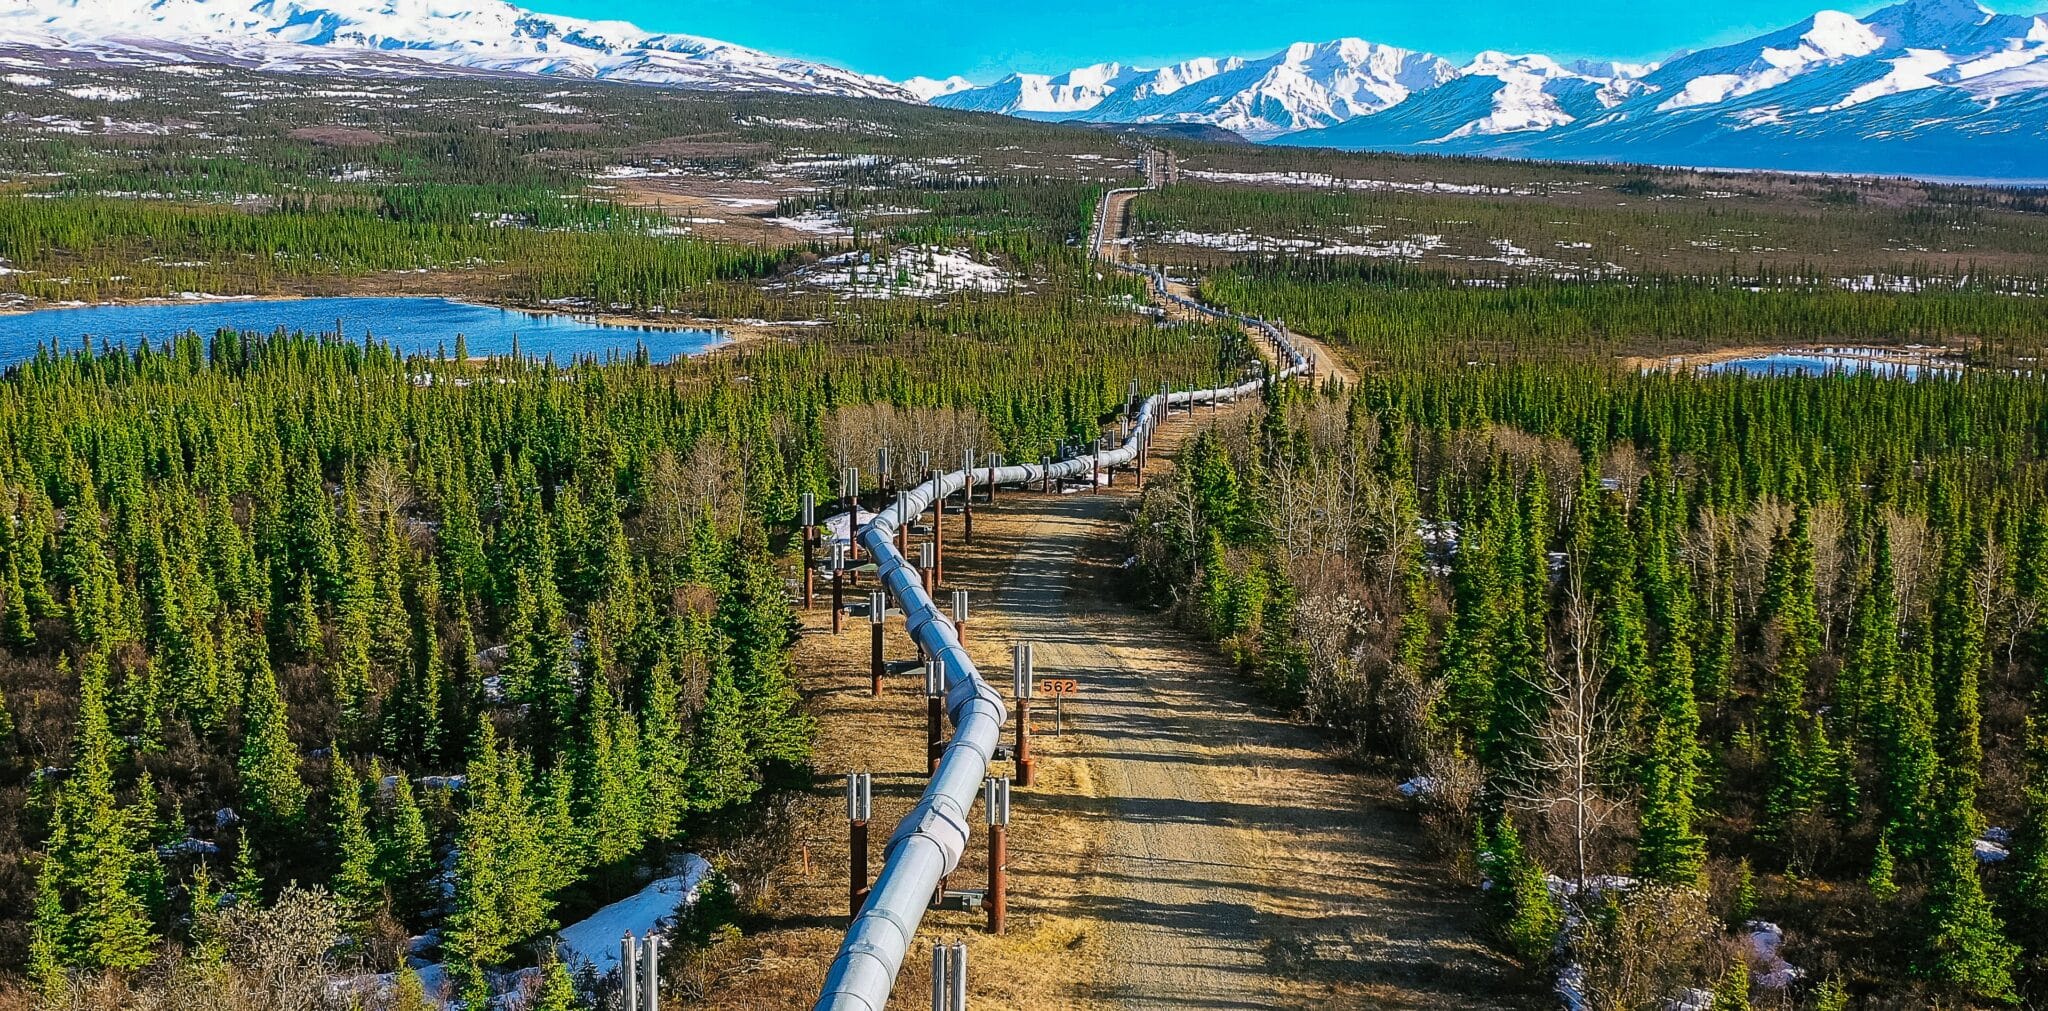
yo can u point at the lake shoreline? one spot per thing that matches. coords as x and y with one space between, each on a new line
734 333
1916 355
416 323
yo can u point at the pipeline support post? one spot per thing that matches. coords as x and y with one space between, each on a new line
878 611
960 614
967 496
810 525
996 801
934 710
903 522
994 460
849 484
1024 690
949 976
838 584
938 529
629 972
925 556
650 973
860 808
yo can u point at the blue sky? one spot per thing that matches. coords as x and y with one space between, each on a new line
982 39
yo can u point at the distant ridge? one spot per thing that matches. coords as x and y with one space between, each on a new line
1927 87
407 37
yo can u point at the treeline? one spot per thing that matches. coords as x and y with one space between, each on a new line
97 248
1765 647
1406 315
1593 227
466 643
1031 221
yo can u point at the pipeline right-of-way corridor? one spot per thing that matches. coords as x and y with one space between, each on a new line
1242 868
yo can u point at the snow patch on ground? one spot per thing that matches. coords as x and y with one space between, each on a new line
1420 786
814 223
1765 941
100 93
595 940
837 529
26 80
1322 180
555 108
913 271
1410 248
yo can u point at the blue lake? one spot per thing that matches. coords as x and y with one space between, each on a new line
424 325
1796 364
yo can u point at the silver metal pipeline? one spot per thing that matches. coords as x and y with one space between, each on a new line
929 841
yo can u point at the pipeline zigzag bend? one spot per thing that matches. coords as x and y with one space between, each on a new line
929 841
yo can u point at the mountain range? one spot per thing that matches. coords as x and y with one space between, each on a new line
407 37
1927 87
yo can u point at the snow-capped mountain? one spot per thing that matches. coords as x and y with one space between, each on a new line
1305 86
1933 87
409 37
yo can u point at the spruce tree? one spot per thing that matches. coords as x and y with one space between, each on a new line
665 750
405 850
557 990
720 772
502 870
1732 993
2026 873
269 762
1526 916
1966 948
1793 783
49 928
1957 661
757 629
354 882
99 852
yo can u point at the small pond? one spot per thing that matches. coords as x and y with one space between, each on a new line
1826 361
424 325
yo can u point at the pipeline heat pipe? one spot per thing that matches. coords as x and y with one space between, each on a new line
929 841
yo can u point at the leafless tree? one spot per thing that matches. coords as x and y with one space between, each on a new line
1566 773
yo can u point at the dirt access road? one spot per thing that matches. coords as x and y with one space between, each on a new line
1240 865
1117 247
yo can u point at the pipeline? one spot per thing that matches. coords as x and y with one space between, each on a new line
929 841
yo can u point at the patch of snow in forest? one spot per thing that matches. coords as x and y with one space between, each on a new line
837 529
1420 786
594 941
555 108
815 223
1765 940
1322 180
1693 999
26 80
913 271
1413 247
101 93
636 171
